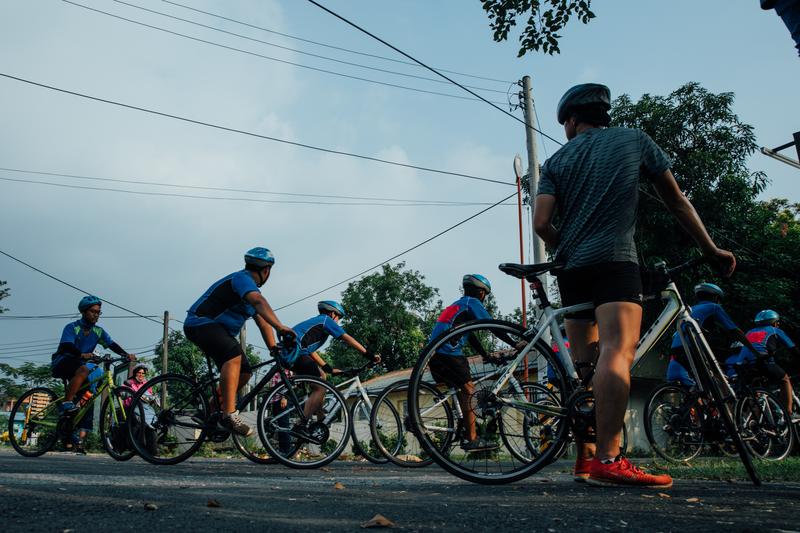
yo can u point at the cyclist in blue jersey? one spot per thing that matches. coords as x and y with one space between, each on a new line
766 339
76 347
312 334
708 313
449 365
214 320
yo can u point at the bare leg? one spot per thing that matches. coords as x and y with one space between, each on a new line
619 325
76 382
464 394
583 339
229 382
315 400
786 394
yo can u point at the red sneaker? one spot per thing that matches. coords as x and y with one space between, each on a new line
581 471
621 473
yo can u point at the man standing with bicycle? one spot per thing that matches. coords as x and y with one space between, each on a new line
592 182
215 319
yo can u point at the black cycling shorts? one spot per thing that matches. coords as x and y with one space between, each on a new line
602 283
306 366
773 372
218 344
450 369
65 366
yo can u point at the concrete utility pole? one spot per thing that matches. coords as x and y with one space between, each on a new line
539 255
243 344
165 357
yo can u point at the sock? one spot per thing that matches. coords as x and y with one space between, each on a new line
610 461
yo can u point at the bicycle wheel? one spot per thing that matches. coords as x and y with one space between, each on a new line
166 434
391 431
360 414
714 381
33 423
527 435
251 447
673 423
298 442
766 429
113 426
491 409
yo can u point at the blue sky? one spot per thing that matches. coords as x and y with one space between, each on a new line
155 253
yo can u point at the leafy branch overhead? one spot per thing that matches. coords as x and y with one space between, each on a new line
544 19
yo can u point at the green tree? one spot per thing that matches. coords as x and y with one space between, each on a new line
709 147
390 313
4 292
21 378
543 20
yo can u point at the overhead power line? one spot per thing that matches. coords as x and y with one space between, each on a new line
426 241
295 50
20 261
248 191
251 134
269 58
332 47
222 198
437 72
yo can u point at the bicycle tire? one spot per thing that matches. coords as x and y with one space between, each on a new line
365 447
711 383
491 467
322 445
39 432
667 411
767 442
536 431
392 433
173 432
252 448
113 428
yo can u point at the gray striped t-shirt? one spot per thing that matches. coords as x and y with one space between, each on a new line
595 179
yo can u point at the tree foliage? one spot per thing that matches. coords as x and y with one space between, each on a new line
17 380
390 312
709 147
4 292
543 20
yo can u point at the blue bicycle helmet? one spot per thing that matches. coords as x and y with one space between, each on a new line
88 301
583 94
477 281
326 306
708 288
767 316
260 257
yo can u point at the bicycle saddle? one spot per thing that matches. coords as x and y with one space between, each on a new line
529 271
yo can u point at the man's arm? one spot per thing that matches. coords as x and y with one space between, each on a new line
267 333
263 308
542 220
684 212
350 341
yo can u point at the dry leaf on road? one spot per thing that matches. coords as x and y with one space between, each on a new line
378 521
663 495
150 507
692 500
338 486
213 503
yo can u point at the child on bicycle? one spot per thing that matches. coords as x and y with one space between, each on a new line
708 313
78 341
215 319
312 334
450 366
766 339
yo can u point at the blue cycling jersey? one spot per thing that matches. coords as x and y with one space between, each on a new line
314 332
84 337
704 312
765 339
223 303
462 310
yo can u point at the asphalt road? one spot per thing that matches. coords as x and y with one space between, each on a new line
60 492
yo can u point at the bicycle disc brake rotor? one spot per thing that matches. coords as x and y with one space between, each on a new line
483 403
582 416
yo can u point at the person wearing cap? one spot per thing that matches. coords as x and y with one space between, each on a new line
592 182
764 341
78 341
215 319
450 366
312 334
711 317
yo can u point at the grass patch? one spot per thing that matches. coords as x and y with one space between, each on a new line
725 469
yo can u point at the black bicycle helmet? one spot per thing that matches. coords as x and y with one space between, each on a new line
583 94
